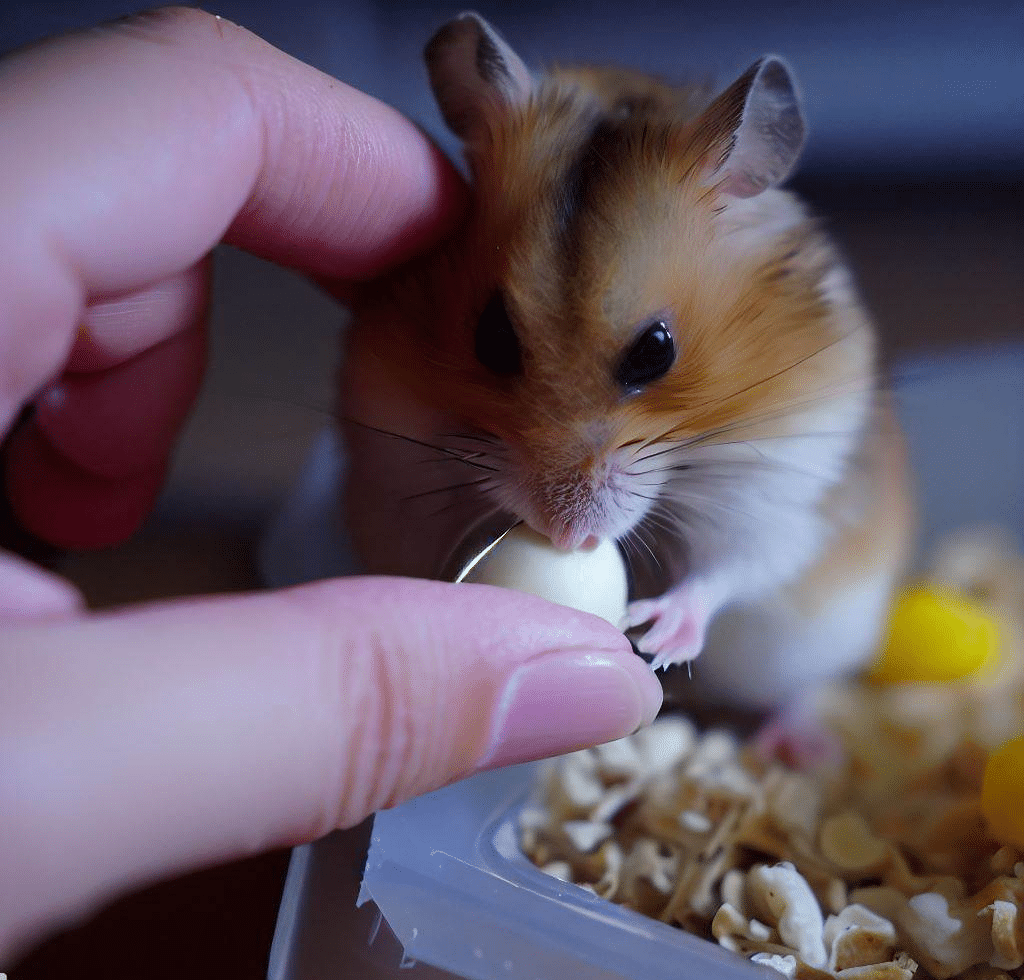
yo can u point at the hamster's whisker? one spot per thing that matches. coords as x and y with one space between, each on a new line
656 469
492 443
446 459
443 450
447 489
639 529
720 468
471 436
781 412
868 386
667 519
630 471
628 548
780 373
671 448
706 506
651 484
632 539
821 434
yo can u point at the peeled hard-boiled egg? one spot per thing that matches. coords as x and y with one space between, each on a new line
591 579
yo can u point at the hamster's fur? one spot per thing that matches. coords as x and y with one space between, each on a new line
637 335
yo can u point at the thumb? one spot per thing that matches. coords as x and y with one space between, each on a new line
141 743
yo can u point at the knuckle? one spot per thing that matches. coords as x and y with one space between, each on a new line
367 706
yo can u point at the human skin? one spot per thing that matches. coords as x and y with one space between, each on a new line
141 742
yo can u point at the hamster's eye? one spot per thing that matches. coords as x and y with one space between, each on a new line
495 342
650 357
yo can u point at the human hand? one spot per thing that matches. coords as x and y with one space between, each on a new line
138 743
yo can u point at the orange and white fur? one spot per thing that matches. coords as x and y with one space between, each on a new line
637 335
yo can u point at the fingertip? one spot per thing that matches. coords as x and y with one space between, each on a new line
121 421
649 690
65 505
485 677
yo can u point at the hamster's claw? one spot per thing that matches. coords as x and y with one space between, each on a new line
679 625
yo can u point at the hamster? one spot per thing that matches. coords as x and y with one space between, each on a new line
637 335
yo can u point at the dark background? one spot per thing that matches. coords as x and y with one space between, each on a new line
915 156
910 87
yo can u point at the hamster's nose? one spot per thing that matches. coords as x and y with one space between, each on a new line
571 539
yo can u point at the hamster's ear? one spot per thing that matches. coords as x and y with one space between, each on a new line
755 129
475 74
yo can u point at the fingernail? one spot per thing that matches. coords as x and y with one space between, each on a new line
566 701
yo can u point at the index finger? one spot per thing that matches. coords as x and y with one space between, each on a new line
132 149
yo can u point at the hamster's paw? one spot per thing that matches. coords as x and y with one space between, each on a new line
679 621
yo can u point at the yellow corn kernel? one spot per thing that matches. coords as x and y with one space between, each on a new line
935 634
1002 793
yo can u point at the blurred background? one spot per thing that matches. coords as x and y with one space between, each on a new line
915 157
907 88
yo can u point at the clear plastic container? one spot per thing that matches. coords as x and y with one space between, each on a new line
448 876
